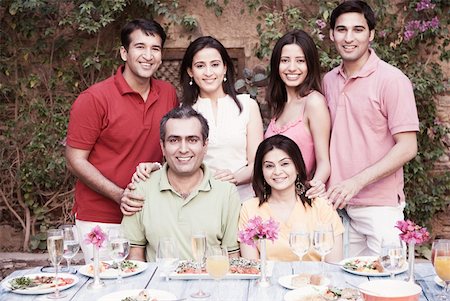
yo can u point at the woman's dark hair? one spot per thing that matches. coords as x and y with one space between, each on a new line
285 144
191 92
276 92
354 7
150 27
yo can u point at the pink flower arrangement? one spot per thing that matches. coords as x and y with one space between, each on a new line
412 233
259 229
96 237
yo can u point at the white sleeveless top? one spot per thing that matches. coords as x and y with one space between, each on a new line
227 146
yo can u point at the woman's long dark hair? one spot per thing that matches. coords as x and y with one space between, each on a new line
276 91
191 92
285 144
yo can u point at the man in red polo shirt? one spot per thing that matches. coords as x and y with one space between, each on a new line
114 125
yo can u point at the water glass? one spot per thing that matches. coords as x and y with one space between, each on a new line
71 244
119 248
323 241
167 255
393 255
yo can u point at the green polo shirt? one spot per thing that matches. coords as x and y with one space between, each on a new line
213 207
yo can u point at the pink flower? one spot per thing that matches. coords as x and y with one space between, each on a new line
259 229
321 23
424 4
412 232
408 35
96 237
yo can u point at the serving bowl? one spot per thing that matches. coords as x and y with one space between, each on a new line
390 290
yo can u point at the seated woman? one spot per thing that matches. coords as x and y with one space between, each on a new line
280 182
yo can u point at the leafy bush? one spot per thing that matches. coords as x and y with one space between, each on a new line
410 36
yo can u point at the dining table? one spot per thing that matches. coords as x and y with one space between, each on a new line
227 289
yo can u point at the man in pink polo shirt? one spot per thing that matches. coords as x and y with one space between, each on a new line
114 125
374 125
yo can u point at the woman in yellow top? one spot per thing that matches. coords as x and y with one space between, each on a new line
280 182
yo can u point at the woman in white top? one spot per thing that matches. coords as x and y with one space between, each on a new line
235 123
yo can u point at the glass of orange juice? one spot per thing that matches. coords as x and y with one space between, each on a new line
442 265
217 264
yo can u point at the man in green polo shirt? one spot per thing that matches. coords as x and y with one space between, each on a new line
183 197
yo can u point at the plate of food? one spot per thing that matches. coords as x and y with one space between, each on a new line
368 266
109 270
139 295
310 293
439 281
240 268
301 280
38 284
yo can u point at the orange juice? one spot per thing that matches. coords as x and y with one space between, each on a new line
442 267
217 266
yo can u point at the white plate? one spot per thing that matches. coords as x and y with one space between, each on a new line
188 276
158 294
286 281
439 281
371 274
112 273
303 292
37 290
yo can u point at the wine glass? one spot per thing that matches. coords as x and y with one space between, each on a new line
217 264
55 247
71 244
299 241
392 256
323 241
433 247
166 255
119 248
198 243
442 266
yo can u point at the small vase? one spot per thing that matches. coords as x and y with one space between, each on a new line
263 280
411 259
96 283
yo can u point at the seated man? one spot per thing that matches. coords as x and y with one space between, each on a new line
183 197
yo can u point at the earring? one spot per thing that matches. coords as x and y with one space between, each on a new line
191 82
266 191
299 187
224 79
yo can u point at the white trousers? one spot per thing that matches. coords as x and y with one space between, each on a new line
83 228
369 225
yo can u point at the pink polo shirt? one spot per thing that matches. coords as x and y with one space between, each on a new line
366 110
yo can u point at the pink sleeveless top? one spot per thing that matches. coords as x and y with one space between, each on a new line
297 132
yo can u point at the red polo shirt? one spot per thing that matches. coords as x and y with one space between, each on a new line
120 130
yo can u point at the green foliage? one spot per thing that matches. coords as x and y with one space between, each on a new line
252 79
427 192
50 52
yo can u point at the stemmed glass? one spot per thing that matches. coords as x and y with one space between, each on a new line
392 256
167 255
442 265
323 241
217 264
299 241
55 247
71 244
198 243
119 248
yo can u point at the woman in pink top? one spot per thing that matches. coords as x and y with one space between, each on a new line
298 106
